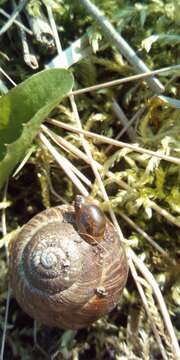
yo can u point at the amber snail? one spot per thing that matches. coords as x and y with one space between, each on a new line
67 267
90 220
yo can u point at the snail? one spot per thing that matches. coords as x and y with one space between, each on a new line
90 220
62 278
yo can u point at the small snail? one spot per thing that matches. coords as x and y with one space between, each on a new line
57 276
90 220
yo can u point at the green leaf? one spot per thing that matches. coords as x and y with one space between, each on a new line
23 110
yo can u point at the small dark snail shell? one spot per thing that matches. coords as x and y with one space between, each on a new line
60 279
90 220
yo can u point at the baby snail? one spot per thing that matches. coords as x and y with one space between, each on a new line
90 220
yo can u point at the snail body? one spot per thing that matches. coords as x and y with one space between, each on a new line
58 277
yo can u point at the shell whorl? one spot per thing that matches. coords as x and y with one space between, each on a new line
60 279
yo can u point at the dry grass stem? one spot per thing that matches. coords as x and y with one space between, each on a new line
54 29
143 233
162 306
24 161
95 170
147 309
13 16
124 121
128 125
17 22
130 122
74 169
126 79
4 231
3 220
7 76
67 146
65 165
107 140
170 218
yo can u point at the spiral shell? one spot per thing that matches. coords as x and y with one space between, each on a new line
61 280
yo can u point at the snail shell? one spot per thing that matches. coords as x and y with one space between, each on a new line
58 278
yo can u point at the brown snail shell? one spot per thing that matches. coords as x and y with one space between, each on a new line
60 279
